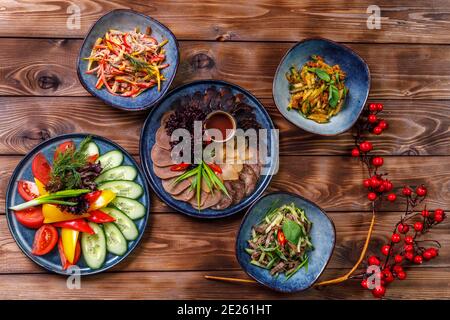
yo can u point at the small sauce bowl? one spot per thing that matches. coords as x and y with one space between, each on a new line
222 121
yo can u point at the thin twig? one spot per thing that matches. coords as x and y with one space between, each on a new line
226 279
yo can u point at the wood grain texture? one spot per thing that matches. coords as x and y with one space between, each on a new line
421 284
334 183
398 71
174 242
257 20
412 131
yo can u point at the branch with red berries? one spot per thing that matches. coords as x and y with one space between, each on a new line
411 227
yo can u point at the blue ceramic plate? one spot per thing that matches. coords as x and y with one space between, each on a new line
358 82
322 237
148 140
24 236
127 20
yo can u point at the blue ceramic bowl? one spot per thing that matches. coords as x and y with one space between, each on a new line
126 20
148 140
358 82
322 236
24 236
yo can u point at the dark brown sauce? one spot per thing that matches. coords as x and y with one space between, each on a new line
220 121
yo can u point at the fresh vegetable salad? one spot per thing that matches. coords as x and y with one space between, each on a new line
127 63
280 243
83 204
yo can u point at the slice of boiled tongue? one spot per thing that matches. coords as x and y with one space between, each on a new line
162 139
166 173
176 188
193 200
161 157
186 195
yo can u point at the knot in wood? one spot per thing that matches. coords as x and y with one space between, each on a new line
202 61
48 82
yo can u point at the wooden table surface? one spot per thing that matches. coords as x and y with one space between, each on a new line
241 42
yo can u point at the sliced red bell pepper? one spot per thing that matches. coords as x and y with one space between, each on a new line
92 196
98 216
214 167
78 225
64 262
179 166
126 44
130 93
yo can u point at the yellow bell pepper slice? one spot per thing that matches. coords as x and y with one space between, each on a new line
69 239
41 187
103 200
53 214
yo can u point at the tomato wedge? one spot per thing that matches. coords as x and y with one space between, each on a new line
64 262
31 217
28 190
40 168
45 240
63 147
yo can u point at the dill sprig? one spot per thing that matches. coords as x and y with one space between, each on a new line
139 64
64 174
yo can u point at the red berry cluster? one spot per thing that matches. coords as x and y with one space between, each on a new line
405 246
376 184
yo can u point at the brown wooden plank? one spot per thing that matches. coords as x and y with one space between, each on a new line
420 284
262 20
334 183
412 131
398 71
174 242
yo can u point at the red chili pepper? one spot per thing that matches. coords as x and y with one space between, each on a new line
214 167
98 216
91 197
179 167
281 238
77 224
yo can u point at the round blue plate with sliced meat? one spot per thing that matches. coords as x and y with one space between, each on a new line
179 109
111 242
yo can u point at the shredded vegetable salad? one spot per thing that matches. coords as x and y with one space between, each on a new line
127 63
280 243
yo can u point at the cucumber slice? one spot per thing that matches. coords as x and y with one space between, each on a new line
92 149
132 208
125 224
118 173
115 241
93 247
111 159
123 188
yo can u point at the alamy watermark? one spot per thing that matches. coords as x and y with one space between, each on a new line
374 19
74 19
251 146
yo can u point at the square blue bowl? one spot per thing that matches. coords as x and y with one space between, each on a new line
357 80
323 238
125 20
